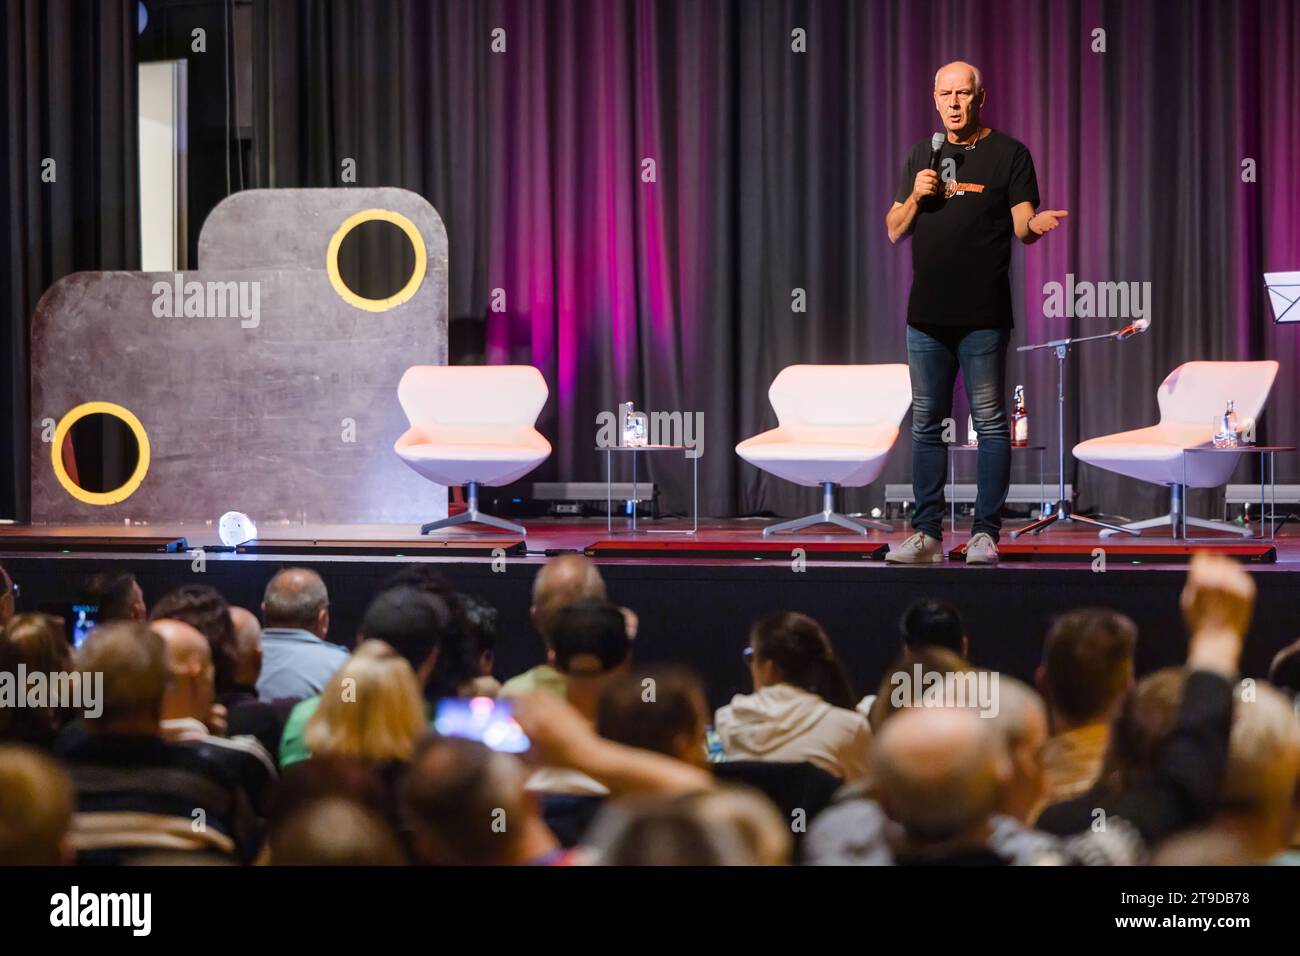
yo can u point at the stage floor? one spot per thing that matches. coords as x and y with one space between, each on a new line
695 606
664 542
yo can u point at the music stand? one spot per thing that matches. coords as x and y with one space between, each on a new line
1062 511
1284 295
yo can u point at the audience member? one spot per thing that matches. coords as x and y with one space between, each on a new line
135 791
297 658
189 701
1204 846
459 656
1021 718
589 648
35 809
801 708
914 667
481 625
370 710
334 832
467 806
246 714
928 626
345 778
931 622
939 774
118 597
204 609
662 709
674 831
1284 670
1165 767
1257 803
562 581
765 834
38 644
1087 669
417 624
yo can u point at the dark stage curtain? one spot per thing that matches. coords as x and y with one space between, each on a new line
69 95
774 170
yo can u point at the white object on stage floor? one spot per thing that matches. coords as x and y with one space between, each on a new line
1284 295
836 425
1191 399
472 425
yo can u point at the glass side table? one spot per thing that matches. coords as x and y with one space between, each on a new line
1267 467
952 475
635 452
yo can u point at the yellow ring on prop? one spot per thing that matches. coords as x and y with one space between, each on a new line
127 488
417 274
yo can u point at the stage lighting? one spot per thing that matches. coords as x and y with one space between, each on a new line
236 528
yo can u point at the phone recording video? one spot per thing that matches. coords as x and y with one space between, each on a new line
491 722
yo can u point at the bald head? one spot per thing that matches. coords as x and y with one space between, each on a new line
958 74
939 771
248 646
959 96
296 597
184 645
561 582
189 690
1021 719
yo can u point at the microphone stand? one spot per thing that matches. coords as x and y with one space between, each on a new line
1062 510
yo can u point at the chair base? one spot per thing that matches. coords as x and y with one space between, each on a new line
828 515
1178 518
471 515
1172 520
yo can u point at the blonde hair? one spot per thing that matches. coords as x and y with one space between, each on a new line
371 708
1263 750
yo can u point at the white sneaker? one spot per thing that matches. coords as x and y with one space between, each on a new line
920 548
982 549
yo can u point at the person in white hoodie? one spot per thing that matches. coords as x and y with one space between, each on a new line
802 706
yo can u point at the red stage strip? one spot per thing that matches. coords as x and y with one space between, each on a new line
1172 553
424 547
757 550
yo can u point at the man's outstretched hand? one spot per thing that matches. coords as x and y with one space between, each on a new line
1041 223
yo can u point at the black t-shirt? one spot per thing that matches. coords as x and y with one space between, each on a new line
961 244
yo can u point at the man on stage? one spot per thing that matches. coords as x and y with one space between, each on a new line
962 202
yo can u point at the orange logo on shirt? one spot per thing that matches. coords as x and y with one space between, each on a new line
954 188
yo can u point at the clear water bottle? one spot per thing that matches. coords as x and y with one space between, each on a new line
972 436
1225 435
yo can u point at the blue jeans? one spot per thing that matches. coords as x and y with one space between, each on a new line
934 355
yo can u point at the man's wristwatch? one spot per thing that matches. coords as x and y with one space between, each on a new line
1029 226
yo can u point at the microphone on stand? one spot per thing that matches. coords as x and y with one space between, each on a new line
1141 325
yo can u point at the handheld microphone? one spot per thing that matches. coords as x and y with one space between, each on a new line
936 141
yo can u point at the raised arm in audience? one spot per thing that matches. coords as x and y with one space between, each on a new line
1217 603
562 738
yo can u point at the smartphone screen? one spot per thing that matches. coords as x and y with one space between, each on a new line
82 618
491 722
